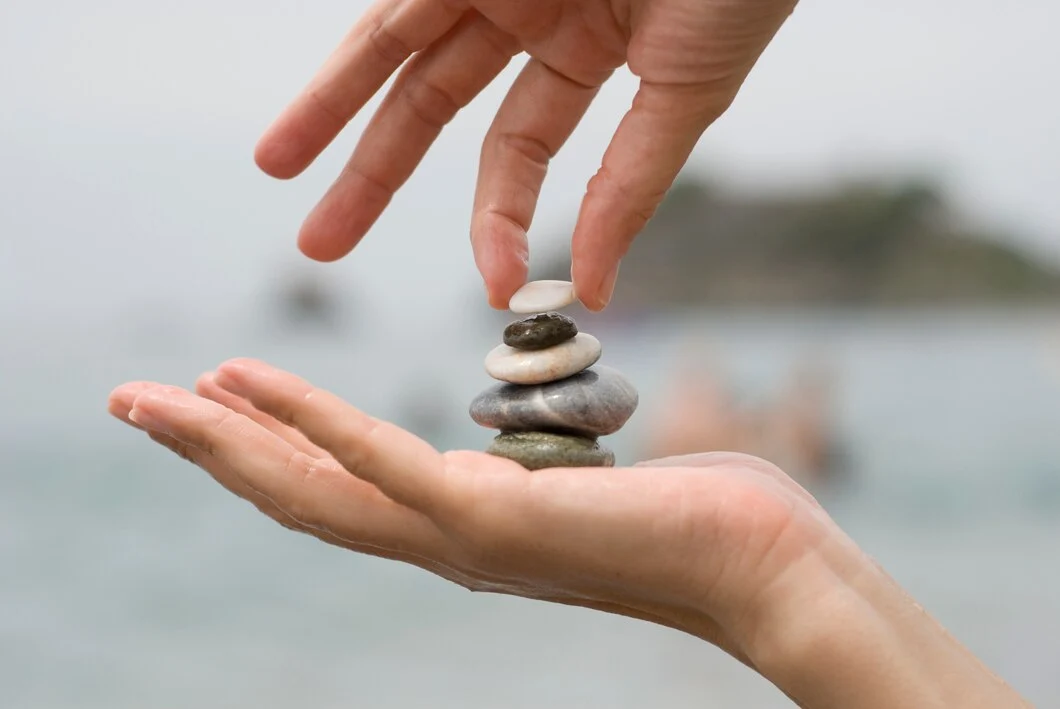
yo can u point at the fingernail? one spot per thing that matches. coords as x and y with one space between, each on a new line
607 286
146 420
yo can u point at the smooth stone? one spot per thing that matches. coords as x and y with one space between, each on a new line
541 296
539 366
536 450
539 331
596 402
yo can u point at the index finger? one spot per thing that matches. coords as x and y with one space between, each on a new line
388 34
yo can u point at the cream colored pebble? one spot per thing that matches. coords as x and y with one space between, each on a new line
539 366
542 296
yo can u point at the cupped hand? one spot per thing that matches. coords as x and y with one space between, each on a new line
691 57
711 544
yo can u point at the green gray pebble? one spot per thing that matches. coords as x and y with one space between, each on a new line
540 331
535 450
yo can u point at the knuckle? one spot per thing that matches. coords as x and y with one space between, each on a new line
299 469
284 411
183 451
355 455
430 103
287 408
227 424
499 41
387 45
311 478
380 186
636 199
532 149
328 106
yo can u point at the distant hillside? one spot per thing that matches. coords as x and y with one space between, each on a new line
861 244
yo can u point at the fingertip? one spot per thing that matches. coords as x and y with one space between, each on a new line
208 388
587 281
206 383
279 152
343 217
245 376
502 256
232 375
294 140
605 229
275 159
148 410
160 393
504 288
501 294
495 301
606 289
127 393
121 399
244 364
322 242
593 305
313 246
129 389
587 292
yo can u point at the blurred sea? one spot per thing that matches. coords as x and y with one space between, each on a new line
130 580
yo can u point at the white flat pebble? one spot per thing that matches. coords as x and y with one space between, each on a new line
542 296
540 366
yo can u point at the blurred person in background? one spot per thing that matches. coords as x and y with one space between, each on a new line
794 428
722 546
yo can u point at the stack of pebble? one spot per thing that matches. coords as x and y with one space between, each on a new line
553 403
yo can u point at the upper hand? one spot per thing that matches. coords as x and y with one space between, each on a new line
691 57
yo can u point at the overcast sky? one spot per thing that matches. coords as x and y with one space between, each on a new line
127 127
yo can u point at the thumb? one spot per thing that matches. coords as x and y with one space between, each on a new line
733 461
699 460
649 148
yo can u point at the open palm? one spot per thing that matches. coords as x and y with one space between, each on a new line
691 57
660 541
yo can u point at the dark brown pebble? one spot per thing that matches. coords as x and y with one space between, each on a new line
540 331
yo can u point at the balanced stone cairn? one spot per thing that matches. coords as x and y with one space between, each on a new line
553 403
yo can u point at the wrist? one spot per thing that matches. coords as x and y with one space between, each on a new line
839 632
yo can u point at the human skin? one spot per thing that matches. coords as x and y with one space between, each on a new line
722 546
691 57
